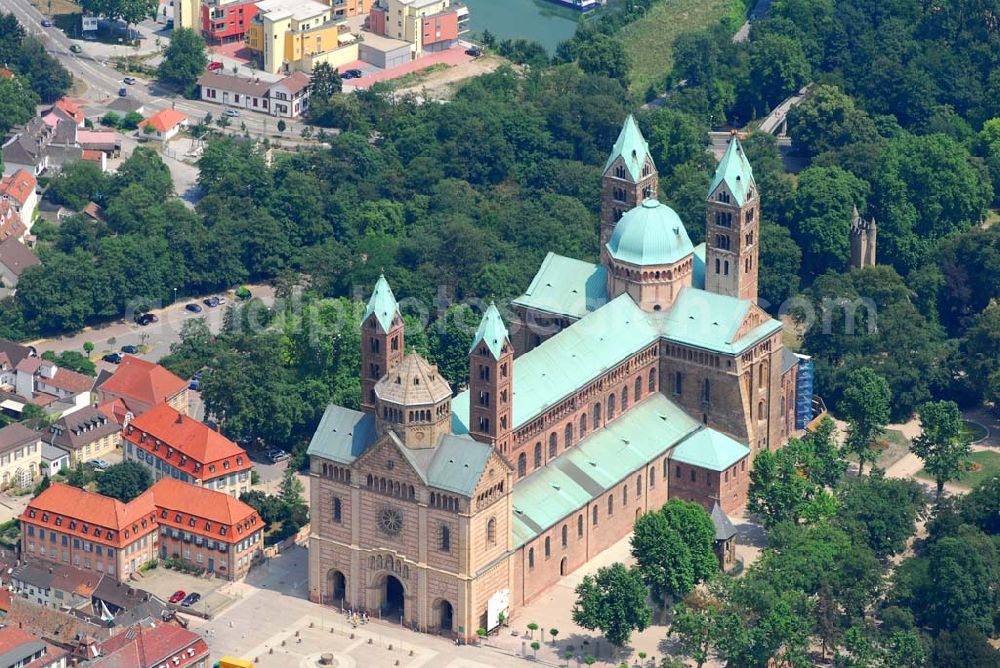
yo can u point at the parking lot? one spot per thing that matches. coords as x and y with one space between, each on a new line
163 583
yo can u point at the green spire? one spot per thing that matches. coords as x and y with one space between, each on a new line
491 331
632 148
382 304
734 169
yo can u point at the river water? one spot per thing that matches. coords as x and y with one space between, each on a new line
542 21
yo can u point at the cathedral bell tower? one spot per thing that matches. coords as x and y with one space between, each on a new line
491 386
381 341
732 229
629 178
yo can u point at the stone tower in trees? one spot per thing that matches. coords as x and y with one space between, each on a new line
381 341
629 178
732 230
491 387
864 235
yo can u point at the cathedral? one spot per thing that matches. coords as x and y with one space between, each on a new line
619 385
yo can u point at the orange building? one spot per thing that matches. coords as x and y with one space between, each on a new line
138 385
172 445
67 525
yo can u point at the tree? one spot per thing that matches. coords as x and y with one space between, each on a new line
695 627
72 360
828 119
124 481
881 512
979 507
88 348
43 485
981 354
866 408
603 55
129 11
78 183
788 485
942 444
613 601
778 67
325 81
184 60
964 648
291 488
662 559
17 103
821 210
47 77
780 261
281 126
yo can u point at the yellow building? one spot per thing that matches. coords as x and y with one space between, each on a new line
20 455
86 434
288 35
187 14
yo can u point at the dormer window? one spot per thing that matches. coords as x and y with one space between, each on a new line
192 522
31 513
45 517
72 525
58 521
222 531
163 514
178 518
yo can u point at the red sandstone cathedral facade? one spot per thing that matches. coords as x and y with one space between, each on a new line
651 375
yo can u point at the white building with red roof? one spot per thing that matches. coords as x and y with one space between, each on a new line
43 383
153 646
20 189
163 125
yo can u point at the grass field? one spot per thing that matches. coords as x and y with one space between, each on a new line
987 465
649 41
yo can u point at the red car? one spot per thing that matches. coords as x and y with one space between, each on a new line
177 596
215 65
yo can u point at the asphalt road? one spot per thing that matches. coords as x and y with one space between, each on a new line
103 82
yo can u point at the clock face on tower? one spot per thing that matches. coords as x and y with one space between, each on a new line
390 522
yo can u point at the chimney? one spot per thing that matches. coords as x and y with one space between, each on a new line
179 419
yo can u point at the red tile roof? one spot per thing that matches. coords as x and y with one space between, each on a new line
143 381
12 638
93 516
180 503
151 647
10 222
116 410
186 443
70 108
164 120
18 186
93 156
71 381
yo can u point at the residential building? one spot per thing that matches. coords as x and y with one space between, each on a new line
33 583
208 529
20 455
651 375
60 587
187 14
15 258
65 109
153 646
141 384
287 98
59 391
45 143
20 649
20 189
173 445
164 125
11 355
428 25
290 35
69 630
86 435
67 525
124 605
11 225
54 459
224 22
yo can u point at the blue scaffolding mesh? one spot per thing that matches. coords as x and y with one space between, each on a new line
804 392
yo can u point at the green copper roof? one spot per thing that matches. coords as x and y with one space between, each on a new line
734 169
342 435
491 331
698 273
651 233
710 321
631 146
564 286
567 484
382 304
457 464
711 450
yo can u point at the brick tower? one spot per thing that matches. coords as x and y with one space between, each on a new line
491 373
629 178
864 237
732 230
381 341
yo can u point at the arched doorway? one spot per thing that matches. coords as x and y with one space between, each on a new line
393 603
638 513
562 566
336 587
445 615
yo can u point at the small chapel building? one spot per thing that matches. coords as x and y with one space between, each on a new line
650 375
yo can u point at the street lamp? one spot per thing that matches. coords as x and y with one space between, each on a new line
175 296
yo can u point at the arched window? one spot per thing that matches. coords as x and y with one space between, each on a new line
652 380
568 435
579 526
565 535
624 398
553 445
445 538
548 547
611 505
624 495
583 426
611 407
597 415
531 557
336 510
706 391
538 455
666 470
725 268
652 478
638 389
761 374
760 411
638 485
522 464
678 382
594 513
491 531
718 265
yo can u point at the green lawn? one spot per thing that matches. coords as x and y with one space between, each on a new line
988 467
649 41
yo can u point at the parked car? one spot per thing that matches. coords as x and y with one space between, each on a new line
474 51
194 308
130 349
195 385
352 74
147 319
46 23
99 464
177 596
129 80
122 92
76 48
232 113
191 599
210 302
277 455
220 298
215 65
114 358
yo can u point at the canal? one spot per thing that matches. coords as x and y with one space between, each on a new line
542 21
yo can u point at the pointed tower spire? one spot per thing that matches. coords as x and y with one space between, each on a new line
629 178
382 340
735 172
492 332
631 147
